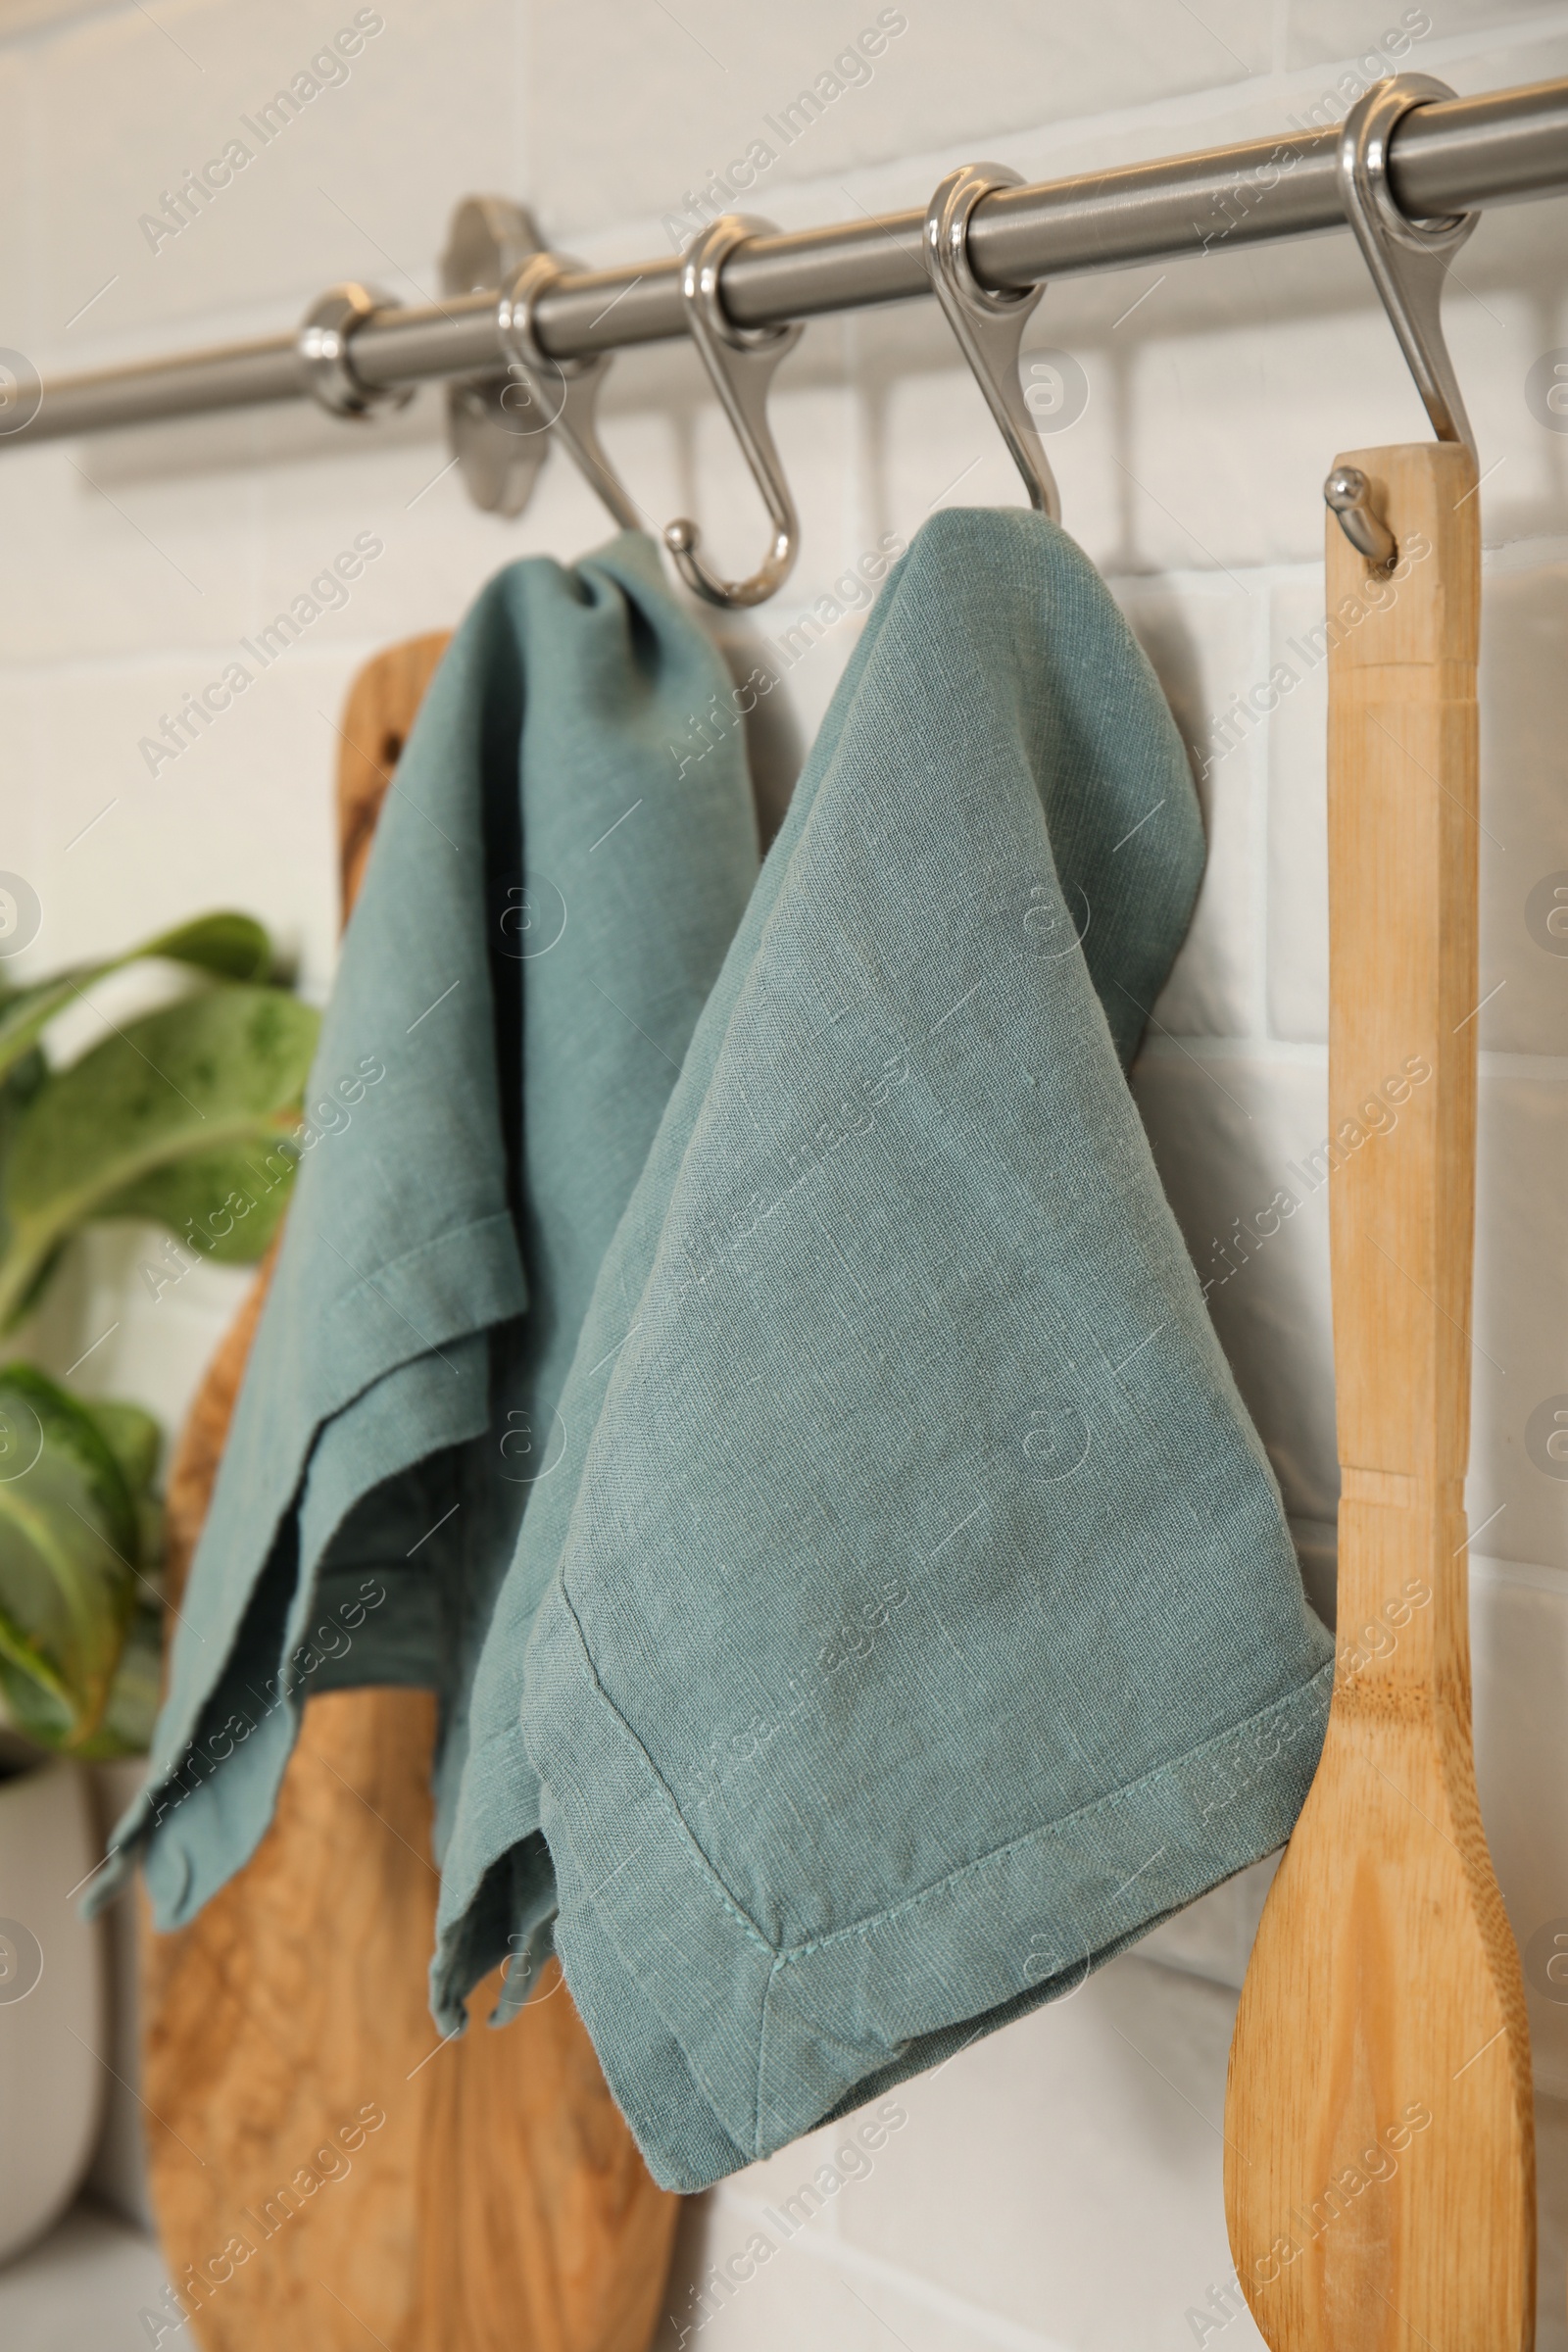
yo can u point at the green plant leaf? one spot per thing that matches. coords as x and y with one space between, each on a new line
231 947
225 1205
132 1437
126 1728
70 1543
213 1074
17 1086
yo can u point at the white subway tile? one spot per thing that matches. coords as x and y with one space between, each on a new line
1249 370
1518 1362
1213 1936
1519 1663
25 949
243 817
18 197
709 84
744 2299
939 446
358 182
1229 1138
1551 2183
1233 431
1384 36
1524 840
1529 45
1087 2201
1297 747
438 549
1205 639
807 654
105 565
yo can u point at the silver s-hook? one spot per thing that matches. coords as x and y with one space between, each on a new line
564 393
741 361
989 325
1409 262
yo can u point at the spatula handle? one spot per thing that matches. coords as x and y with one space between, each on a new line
1402 1027
1379 2174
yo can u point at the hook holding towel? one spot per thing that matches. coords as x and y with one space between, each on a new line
741 361
1409 262
989 325
565 392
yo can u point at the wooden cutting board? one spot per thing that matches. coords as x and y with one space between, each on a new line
325 2171
1379 2174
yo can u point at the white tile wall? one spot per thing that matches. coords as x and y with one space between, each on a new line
710 77
1057 2186
1297 818
1205 636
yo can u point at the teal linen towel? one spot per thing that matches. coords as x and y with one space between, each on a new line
547 905
914 1617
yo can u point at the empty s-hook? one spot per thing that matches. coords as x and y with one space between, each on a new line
1408 260
741 361
989 324
563 394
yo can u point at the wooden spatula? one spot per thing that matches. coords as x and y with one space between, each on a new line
1379 2163
499 2203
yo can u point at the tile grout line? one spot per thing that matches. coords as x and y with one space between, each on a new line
992 2328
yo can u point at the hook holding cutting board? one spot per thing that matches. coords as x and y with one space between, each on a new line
1378 2158
1379 2139
1408 260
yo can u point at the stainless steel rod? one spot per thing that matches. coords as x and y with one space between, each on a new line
1446 158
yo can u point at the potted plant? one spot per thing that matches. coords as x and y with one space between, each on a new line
180 1117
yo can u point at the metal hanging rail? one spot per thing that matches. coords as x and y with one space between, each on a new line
1445 158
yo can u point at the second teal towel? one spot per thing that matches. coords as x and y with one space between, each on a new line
913 1618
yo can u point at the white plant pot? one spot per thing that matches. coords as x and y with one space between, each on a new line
52 1999
118 2175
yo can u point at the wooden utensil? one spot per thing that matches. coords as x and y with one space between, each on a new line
500 2203
1379 2160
